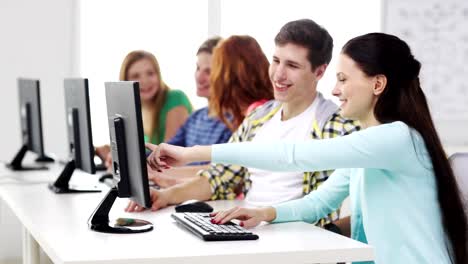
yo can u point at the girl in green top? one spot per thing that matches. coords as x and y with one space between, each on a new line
164 111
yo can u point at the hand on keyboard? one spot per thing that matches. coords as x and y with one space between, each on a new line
201 225
250 217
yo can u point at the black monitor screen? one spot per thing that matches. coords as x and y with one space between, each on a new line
30 115
127 141
79 123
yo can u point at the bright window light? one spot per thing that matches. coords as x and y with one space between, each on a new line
110 29
173 30
263 20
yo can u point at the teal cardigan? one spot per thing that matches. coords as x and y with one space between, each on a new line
387 172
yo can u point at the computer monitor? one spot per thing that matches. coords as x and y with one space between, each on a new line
31 125
129 159
80 137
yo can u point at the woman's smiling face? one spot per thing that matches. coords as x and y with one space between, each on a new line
144 72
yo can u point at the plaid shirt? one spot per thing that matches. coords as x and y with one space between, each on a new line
201 129
227 180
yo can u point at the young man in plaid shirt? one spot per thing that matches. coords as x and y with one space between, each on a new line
303 51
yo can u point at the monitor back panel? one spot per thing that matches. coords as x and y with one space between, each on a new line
29 94
123 100
77 97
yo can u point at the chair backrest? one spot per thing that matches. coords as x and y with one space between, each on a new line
459 162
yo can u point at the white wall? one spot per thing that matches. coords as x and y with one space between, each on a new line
436 32
37 41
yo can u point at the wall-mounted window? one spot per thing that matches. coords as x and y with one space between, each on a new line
109 29
173 30
263 19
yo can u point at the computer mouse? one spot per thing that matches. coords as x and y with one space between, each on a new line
193 206
105 176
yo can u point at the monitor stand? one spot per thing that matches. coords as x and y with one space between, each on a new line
99 220
16 163
61 185
44 158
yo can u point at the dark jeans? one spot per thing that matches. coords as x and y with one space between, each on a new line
335 229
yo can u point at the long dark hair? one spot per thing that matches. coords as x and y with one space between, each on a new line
403 100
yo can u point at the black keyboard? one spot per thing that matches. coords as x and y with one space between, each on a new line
200 224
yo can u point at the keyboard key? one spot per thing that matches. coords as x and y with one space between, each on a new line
200 225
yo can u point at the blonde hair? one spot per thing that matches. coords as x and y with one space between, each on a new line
160 97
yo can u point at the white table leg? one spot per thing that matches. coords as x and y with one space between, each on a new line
44 258
31 250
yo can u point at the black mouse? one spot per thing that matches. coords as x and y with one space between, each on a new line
192 206
105 176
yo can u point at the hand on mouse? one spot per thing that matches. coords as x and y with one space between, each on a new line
104 153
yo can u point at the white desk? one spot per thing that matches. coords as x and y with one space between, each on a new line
58 225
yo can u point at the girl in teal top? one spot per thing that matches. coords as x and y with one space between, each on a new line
404 198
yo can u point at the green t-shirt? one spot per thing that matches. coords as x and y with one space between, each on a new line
174 99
